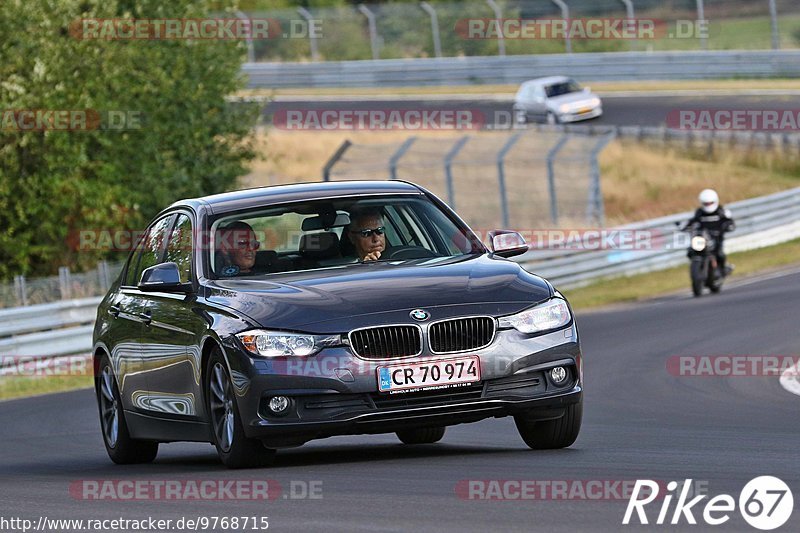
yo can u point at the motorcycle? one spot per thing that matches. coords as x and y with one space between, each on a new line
704 269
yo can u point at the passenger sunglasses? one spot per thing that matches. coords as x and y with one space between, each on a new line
368 232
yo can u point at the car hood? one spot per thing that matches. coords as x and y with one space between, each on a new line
340 299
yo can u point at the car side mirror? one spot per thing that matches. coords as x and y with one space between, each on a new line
506 243
164 277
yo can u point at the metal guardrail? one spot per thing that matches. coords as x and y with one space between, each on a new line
604 66
64 328
770 219
48 330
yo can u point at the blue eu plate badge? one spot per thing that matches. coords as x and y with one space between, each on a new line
385 380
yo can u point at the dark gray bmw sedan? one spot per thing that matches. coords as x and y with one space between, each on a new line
264 318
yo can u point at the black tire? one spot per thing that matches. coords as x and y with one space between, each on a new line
234 448
421 435
552 119
696 273
551 434
121 448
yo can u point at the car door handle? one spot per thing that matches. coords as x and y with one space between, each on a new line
146 318
114 310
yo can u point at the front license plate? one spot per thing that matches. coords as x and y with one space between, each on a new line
442 374
585 110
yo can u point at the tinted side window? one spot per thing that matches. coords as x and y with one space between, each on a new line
152 247
130 272
179 247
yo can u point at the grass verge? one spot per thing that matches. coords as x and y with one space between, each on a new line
21 387
644 286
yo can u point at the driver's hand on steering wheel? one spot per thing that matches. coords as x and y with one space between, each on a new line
372 256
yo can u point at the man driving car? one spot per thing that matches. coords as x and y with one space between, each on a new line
366 233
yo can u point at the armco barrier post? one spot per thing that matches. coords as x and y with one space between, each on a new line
397 155
373 30
498 15
630 23
501 177
595 207
337 155
701 16
312 37
773 20
21 290
551 177
565 15
437 41
448 170
64 282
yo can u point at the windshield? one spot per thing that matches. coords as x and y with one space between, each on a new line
335 233
566 87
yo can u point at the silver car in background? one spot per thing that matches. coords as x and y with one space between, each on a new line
555 100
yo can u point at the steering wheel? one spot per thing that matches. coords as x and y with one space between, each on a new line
410 252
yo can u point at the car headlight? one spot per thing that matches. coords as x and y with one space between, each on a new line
594 102
282 344
564 108
552 314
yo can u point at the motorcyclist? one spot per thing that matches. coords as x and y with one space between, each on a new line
715 219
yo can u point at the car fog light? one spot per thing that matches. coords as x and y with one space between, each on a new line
558 374
278 404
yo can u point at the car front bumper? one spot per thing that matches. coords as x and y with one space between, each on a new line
336 393
578 116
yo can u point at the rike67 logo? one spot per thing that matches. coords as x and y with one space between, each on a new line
765 503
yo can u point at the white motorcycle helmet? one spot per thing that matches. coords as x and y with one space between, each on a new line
709 200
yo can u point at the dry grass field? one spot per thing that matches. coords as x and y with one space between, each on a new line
639 180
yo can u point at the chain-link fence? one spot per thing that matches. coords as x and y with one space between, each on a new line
484 28
66 285
494 179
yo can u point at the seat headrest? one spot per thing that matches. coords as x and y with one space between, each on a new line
323 245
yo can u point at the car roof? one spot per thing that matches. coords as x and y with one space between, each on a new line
547 80
276 194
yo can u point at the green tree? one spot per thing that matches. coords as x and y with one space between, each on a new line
189 141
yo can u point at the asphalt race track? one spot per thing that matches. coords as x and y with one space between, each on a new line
640 110
639 422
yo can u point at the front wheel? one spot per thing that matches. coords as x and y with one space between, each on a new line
696 273
551 434
234 448
121 448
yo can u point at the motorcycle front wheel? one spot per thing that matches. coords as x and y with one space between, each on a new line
696 272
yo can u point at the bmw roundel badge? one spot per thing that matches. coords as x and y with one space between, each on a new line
420 314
